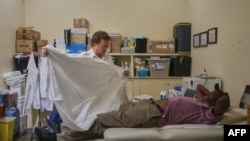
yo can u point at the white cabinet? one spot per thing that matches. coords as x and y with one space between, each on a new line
152 86
192 82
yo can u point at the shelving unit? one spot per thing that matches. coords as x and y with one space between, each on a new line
129 57
147 85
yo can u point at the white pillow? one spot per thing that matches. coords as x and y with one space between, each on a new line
234 114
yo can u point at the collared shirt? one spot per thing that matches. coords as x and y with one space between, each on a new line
188 110
91 54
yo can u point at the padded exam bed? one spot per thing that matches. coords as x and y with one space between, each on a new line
181 132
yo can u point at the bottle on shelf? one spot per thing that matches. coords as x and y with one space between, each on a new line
204 74
163 94
125 42
131 42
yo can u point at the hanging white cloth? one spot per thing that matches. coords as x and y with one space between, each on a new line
83 87
32 87
33 94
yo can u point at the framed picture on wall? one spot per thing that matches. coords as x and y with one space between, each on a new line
212 35
203 39
196 40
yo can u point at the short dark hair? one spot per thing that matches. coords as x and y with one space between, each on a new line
98 35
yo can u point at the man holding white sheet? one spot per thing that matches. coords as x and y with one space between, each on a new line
100 42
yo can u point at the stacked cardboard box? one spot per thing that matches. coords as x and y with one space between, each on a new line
26 38
163 47
40 44
115 42
80 23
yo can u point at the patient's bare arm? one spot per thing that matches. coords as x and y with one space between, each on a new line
221 105
201 91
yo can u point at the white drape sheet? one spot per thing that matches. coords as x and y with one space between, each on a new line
82 87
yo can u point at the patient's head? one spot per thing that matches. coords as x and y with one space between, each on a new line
222 104
215 95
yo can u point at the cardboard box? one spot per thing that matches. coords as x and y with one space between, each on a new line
115 42
81 23
115 48
23 46
27 33
40 44
163 47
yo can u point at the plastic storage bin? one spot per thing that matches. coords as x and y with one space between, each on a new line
7 128
159 67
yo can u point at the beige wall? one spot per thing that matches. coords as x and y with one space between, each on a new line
228 58
12 16
151 18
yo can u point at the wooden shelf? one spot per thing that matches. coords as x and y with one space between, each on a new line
129 57
149 54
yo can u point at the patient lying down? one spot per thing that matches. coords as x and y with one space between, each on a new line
207 108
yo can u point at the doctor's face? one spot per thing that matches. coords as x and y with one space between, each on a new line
101 48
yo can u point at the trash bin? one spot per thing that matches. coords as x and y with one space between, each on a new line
21 62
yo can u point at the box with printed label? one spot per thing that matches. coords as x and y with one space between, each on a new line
23 46
40 44
27 33
163 47
115 42
80 23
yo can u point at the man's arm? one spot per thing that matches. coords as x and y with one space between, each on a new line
221 105
201 91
